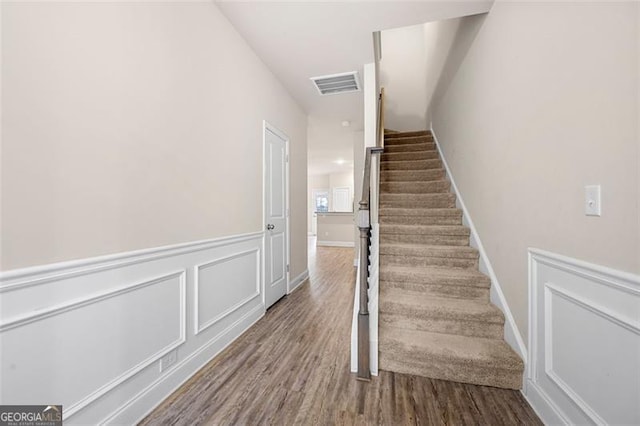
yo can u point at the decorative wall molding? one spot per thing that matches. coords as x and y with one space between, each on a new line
255 253
120 315
70 411
297 281
597 321
42 274
75 304
511 333
145 401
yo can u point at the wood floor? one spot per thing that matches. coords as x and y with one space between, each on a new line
292 367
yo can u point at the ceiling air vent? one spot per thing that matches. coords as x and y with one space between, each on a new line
337 83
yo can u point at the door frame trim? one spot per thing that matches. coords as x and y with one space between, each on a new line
268 126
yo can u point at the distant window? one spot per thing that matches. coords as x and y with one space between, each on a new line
322 202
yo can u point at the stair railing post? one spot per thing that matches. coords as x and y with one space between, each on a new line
364 226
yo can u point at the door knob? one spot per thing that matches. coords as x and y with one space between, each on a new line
270 227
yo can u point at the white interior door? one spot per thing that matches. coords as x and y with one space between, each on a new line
342 199
276 213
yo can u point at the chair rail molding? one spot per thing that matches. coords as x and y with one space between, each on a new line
125 330
584 341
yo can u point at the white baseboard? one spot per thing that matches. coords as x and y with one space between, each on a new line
125 314
146 401
335 243
546 410
297 281
511 333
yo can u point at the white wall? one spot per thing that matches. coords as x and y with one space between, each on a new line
335 229
402 74
527 121
417 65
330 145
130 126
135 125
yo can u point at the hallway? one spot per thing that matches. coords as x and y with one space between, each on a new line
292 367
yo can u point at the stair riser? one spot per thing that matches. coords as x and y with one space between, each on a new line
439 290
442 325
417 251
428 280
419 155
436 240
436 203
445 370
416 201
415 187
412 175
428 261
447 231
408 140
420 220
408 134
411 165
413 147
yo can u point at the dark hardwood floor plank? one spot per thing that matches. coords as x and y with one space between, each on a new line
292 368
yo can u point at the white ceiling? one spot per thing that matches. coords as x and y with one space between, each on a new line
298 40
330 146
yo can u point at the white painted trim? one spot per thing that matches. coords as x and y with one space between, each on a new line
511 333
27 277
87 400
619 280
354 325
335 243
75 304
544 407
298 281
374 286
199 328
180 373
557 412
150 266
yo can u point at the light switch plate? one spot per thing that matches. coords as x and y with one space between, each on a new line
592 202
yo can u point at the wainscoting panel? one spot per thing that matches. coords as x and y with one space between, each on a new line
584 342
109 338
224 285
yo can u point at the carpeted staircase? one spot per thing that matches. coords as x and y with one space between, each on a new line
436 319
